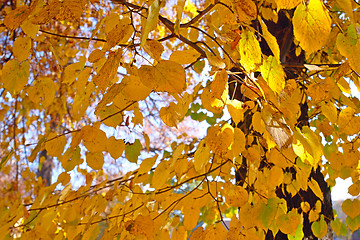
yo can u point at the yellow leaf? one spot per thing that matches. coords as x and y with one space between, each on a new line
120 33
245 10
330 111
215 61
179 233
236 196
154 49
210 102
271 40
14 18
147 141
151 21
273 73
250 52
72 71
238 145
94 139
95 160
95 55
276 176
305 207
219 85
115 147
21 48
258 123
132 151
236 110
202 156
15 76
346 5
146 165
351 207
55 144
191 216
287 4
110 115
161 175
170 115
134 89
108 70
30 29
349 46
170 77
220 139
289 222
185 56
308 146
348 122
143 225
314 186
319 228
312 25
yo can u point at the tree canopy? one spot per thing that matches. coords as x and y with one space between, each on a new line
153 119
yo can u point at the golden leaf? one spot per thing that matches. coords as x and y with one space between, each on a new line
236 110
314 186
210 102
273 73
351 207
170 77
271 40
238 145
276 176
312 25
110 115
30 29
142 226
245 10
348 122
115 147
72 71
94 139
120 33
287 4
55 144
289 222
250 52
154 49
95 160
21 48
15 76
330 111
319 228
220 139
219 86
236 196
134 89
191 216
14 18
151 20
108 70
349 46
161 175
95 55
146 165
185 56
170 115
202 156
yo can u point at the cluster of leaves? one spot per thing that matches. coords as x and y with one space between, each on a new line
78 74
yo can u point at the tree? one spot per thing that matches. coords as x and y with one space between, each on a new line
88 84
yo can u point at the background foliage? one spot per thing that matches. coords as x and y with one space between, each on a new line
111 97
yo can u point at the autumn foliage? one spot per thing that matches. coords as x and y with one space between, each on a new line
134 119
